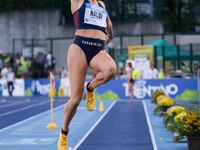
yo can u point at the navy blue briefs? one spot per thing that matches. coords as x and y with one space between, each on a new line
90 46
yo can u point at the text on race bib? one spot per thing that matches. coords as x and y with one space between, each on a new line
95 15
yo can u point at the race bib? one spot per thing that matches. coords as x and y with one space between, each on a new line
95 15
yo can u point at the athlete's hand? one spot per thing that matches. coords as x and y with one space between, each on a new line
107 39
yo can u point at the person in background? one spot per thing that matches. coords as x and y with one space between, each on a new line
17 62
135 74
1 62
161 74
130 80
48 58
4 71
10 77
124 75
24 63
187 68
153 72
7 60
20 71
64 73
120 73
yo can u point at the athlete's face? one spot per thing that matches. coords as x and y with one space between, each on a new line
10 69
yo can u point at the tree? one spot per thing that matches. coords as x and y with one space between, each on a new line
179 14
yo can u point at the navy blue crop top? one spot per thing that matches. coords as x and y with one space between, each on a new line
90 16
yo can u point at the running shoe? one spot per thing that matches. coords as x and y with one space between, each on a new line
62 142
90 99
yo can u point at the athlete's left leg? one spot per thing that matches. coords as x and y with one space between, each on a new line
106 66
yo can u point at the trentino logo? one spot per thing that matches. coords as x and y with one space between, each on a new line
141 90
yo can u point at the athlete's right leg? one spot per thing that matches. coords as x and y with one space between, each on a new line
131 92
77 67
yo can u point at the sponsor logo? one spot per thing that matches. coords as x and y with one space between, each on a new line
42 89
141 90
91 43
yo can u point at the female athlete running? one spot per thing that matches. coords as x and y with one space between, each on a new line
93 31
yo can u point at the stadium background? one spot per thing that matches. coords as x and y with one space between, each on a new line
48 25
32 26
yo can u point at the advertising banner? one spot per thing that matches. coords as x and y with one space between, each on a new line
118 89
64 83
143 89
39 87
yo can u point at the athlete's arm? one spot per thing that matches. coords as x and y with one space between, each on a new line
109 27
75 4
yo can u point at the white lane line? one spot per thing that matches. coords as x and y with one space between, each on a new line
93 127
24 108
150 127
33 117
13 104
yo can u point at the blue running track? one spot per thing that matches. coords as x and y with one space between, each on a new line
15 109
123 128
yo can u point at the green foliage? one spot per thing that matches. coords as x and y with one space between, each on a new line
157 109
179 14
190 124
156 94
188 94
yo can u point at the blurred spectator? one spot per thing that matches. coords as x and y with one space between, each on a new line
49 57
38 65
120 73
124 75
195 69
24 63
135 74
153 72
4 71
161 74
64 73
17 62
19 71
7 59
1 62
187 68
10 77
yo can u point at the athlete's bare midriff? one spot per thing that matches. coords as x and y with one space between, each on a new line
91 33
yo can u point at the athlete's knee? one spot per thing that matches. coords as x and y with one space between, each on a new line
110 71
75 100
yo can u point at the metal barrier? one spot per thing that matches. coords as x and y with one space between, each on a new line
117 47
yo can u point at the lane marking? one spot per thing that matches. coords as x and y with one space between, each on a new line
93 127
33 117
150 127
13 104
24 108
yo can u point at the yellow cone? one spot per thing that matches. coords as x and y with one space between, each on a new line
52 126
61 92
101 108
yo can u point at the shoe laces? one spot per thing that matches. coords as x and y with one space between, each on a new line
64 141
